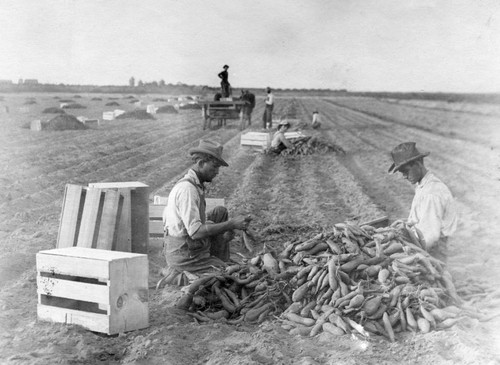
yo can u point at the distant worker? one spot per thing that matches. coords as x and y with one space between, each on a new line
249 100
196 241
315 121
433 210
267 118
279 141
224 84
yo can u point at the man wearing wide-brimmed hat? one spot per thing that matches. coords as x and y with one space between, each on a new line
197 241
279 141
433 210
224 84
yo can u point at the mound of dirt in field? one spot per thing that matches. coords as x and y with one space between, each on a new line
53 110
96 99
113 98
133 101
77 96
159 99
136 114
129 97
63 122
66 101
166 109
29 102
57 97
112 103
74 106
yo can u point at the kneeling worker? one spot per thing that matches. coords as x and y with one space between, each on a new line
197 242
279 141
433 210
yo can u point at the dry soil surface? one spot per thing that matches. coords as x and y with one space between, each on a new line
279 193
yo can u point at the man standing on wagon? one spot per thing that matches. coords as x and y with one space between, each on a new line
267 118
224 84
433 209
197 242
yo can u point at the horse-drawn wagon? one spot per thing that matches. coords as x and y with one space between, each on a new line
221 111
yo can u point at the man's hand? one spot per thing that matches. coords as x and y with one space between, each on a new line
241 222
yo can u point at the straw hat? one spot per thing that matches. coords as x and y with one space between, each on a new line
284 123
404 153
211 148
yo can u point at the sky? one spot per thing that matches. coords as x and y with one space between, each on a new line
358 45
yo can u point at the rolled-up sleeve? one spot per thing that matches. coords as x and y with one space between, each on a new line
188 201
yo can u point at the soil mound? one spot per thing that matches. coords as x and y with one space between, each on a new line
159 99
63 122
77 96
133 101
97 99
166 109
54 110
74 106
57 97
67 101
190 106
136 114
29 102
129 97
113 98
112 103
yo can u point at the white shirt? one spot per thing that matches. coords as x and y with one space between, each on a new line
433 209
270 99
185 207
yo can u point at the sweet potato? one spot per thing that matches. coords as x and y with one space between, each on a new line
388 326
320 321
423 325
253 314
217 315
310 243
309 322
306 310
301 292
371 305
332 329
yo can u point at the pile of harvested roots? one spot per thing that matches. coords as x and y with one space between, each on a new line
311 145
347 279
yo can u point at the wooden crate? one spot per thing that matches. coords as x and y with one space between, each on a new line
256 140
36 125
103 291
94 218
135 213
108 115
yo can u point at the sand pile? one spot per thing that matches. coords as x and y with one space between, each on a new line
166 109
63 122
136 114
74 106
112 103
53 110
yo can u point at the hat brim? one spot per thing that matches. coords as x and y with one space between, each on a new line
207 152
395 168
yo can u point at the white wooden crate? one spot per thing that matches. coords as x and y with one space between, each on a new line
36 125
108 115
258 140
103 291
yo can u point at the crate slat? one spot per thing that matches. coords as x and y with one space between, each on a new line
111 210
89 221
124 235
73 290
156 229
76 266
70 215
94 321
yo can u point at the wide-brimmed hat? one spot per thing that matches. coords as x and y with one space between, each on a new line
225 66
404 153
284 123
211 148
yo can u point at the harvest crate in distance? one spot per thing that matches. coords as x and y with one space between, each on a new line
103 291
256 140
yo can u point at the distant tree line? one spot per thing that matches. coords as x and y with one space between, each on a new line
160 87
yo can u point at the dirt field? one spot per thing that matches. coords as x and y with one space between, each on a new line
318 189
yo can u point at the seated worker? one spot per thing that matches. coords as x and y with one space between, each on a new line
316 122
433 211
196 242
279 142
